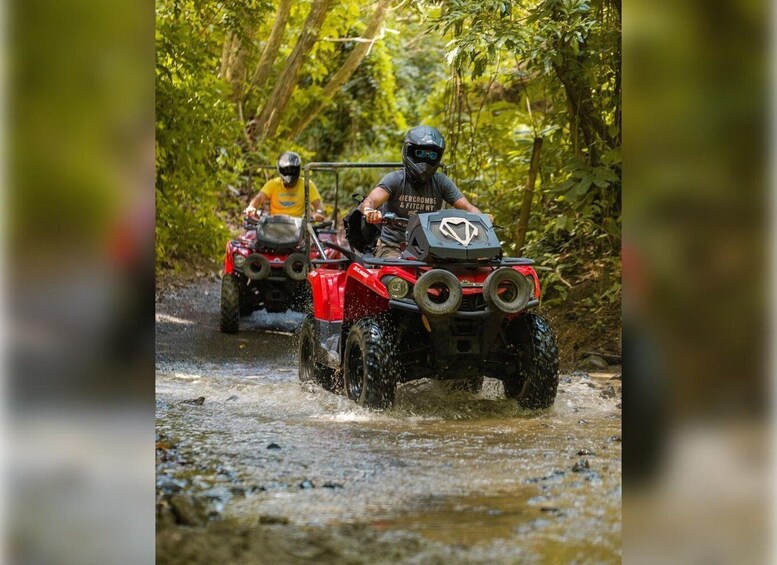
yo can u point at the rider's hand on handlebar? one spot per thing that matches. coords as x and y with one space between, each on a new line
318 216
373 216
251 212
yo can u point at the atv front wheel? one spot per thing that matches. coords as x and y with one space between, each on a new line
230 304
309 369
474 384
534 380
369 364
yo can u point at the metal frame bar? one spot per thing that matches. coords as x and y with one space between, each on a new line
335 167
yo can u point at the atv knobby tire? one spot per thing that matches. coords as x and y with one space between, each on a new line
309 369
370 367
473 385
534 381
230 304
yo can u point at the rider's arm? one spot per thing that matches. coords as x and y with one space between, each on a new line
318 210
375 199
464 204
258 202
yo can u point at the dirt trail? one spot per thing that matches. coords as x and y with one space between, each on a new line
294 475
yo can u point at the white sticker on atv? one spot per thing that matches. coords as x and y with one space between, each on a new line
469 231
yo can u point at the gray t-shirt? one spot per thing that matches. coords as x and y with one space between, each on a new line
406 201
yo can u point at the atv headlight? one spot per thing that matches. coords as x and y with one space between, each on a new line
397 287
239 259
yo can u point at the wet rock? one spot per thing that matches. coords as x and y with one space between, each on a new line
188 510
273 446
552 510
306 484
581 466
233 397
614 439
591 385
267 519
584 452
594 362
227 472
582 422
616 377
199 401
238 491
332 485
608 392
619 406
168 484
566 380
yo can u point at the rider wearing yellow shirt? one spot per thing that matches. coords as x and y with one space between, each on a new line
286 193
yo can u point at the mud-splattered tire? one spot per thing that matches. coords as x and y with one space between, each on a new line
230 304
534 381
370 368
474 385
309 369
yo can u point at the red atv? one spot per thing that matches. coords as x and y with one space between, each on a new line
266 267
452 307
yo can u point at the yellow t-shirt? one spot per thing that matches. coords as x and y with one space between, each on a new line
290 201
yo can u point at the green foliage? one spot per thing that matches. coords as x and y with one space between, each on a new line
196 131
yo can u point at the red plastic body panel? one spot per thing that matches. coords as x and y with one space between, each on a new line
358 292
328 286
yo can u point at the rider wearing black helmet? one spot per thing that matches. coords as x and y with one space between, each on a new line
416 188
286 192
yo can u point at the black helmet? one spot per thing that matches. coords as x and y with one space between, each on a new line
421 154
289 165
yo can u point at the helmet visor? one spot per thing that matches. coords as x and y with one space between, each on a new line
431 155
290 171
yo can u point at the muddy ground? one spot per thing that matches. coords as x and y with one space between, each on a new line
254 468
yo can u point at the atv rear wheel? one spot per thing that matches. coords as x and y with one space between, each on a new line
309 369
230 304
369 364
534 380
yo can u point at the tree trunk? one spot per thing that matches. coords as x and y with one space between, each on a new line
270 115
528 196
344 73
270 51
226 55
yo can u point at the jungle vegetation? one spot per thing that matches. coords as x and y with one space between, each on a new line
239 81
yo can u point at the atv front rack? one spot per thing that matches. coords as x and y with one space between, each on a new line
393 262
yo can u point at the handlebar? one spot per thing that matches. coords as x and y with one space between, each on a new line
391 219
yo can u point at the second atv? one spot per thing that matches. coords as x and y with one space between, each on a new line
266 267
452 307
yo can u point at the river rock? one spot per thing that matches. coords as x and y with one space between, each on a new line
199 401
168 484
188 510
581 466
267 519
594 361
273 446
